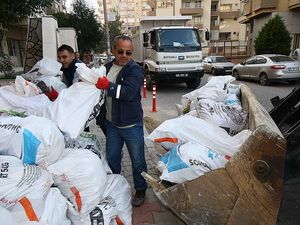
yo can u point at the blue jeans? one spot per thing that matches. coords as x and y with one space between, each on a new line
134 140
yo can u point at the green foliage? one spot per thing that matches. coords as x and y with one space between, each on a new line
83 19
12 11
6 66
273 38
115 29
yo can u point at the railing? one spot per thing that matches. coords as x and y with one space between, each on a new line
228 48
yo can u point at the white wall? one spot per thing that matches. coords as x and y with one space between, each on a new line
67 35
49 30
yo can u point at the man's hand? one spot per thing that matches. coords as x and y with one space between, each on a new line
102 83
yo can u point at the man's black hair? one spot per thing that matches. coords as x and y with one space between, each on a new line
65 47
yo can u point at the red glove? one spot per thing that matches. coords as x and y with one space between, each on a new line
102 83
52 95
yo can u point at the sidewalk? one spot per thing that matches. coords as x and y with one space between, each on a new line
152 212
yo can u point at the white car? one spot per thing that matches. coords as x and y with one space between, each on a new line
217 65
267 68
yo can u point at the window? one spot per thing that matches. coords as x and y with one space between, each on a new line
225 36
214 7
198 4
197 19
187 4
260 60
214 21
225 8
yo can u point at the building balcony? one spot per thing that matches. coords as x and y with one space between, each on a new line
191 11
151 13
214 27
294 4
198 25
264 4
247 8
229 15
215 13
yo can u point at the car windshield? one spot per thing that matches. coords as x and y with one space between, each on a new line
219 59
281 58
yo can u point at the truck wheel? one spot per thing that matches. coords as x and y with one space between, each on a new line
193 83
149 82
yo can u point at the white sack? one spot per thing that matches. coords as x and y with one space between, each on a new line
26 88
187 128
189 161
118 188
33 139
23 188
232 119
75 103
6 217
55 209
115 206
54 82
89 141
90 75
29 104
81 178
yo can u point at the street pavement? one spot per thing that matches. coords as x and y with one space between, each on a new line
152 212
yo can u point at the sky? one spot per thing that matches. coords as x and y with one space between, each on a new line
91 3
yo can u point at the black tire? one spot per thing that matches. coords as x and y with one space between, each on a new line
193 83
263 79
213 71
235 74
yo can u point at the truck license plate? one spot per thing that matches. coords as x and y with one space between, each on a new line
181 75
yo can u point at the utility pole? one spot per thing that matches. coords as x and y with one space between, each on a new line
108 51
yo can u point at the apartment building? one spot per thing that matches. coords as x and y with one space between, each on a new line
220 17
130 12
164 7
257 12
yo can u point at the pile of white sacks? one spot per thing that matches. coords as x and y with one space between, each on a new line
51 172
210 130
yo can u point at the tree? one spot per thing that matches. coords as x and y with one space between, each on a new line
83 19
115 29
273 38
12 11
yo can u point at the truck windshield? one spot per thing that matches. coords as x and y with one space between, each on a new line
178 40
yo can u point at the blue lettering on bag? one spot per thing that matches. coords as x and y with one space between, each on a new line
175 163
30 148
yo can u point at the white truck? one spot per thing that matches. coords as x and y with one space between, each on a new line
169 51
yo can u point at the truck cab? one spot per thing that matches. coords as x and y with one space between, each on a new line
173 54
169 51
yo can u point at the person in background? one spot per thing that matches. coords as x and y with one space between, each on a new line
122 116
77 55
66 56
87 59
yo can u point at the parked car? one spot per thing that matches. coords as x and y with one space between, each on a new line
267 68
217 65
296 54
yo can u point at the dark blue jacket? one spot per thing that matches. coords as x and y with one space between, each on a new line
126 96
69 76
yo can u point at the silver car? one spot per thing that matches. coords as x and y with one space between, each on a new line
217 65
267 68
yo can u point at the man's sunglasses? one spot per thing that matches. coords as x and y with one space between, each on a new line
121 52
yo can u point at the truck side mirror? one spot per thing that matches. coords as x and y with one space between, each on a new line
145 37
207 35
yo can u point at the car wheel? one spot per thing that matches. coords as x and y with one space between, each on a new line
235 74
263 79
193 83
213 71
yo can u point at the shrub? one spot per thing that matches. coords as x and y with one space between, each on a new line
6 66
273 38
